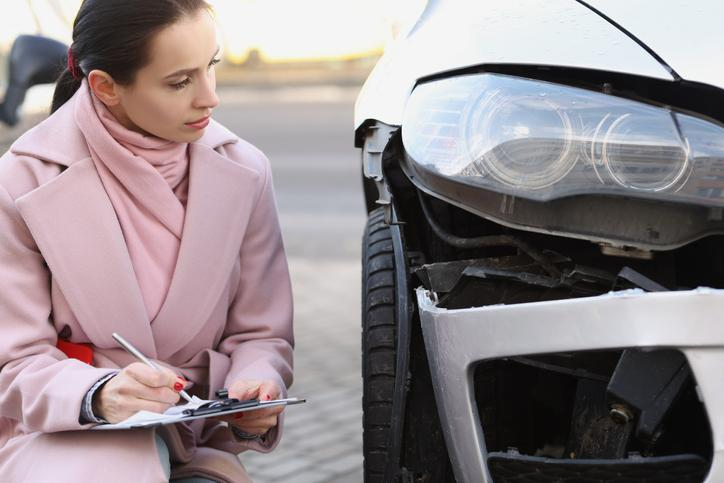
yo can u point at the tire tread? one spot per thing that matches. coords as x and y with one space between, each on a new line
379 332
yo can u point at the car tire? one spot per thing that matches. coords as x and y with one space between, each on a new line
378 344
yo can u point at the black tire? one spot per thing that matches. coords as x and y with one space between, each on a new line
379 336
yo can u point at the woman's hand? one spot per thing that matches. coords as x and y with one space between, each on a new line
137 387
259 421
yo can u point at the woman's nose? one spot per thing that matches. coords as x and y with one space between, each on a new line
206 97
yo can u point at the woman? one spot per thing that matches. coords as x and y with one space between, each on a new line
128 210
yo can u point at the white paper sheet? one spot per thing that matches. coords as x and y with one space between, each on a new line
174 414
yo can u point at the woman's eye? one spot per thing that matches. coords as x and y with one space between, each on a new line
182 84
187 81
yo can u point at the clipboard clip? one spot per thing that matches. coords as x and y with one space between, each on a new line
223 403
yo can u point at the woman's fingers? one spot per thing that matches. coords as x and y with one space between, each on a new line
257 426
244 389
136 388
151 377
129 396
139 404
164 394
263 390
157 387
253 415
258 421
268 390
114 406
262 413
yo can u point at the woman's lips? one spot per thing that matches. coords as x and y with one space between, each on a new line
200 124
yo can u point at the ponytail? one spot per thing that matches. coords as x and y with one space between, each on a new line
65 87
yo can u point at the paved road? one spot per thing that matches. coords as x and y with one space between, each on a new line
307 134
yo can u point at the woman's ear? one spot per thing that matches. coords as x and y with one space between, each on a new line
104 87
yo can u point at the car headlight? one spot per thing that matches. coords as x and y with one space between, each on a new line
544 141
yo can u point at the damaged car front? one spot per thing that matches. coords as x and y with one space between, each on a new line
542 262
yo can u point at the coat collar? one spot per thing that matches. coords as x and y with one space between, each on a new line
57 139
75 227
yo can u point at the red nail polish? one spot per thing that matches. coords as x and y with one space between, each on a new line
178 386
267 397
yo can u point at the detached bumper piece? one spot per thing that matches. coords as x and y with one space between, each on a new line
464 335
515 468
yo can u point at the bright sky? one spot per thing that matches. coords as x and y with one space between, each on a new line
281 30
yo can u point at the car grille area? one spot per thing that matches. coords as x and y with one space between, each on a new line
512 467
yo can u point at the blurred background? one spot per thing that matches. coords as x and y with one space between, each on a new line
263 41
290 74
336 34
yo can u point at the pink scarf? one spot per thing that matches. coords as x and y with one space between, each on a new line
146 179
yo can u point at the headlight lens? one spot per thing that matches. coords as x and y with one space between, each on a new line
522 140
543 141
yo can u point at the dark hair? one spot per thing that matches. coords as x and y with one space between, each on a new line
114 36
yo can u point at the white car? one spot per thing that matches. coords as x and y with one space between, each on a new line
544 262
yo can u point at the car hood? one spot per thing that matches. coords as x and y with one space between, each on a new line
688 36
453 34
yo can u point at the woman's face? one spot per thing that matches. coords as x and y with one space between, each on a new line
173 95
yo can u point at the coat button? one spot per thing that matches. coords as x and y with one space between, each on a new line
65 332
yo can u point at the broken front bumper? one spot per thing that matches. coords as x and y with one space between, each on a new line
690 321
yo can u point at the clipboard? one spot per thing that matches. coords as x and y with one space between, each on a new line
196 409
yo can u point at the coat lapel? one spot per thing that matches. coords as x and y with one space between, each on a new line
221 195
76 229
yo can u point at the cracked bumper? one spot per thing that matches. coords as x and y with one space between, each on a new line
691 321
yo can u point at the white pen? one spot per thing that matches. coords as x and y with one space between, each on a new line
138 355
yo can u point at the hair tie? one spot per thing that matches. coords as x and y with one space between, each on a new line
72 66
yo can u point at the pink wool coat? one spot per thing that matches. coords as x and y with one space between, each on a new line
65 269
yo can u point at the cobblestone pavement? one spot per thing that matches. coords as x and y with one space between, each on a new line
322 440
307 134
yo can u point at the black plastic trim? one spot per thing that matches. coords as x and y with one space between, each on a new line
399 398
682 468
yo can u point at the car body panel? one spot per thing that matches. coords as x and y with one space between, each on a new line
456 340
688 36
454 34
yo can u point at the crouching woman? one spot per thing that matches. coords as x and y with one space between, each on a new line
130 210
